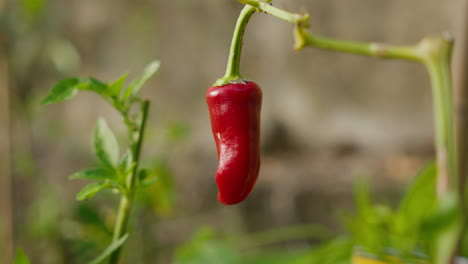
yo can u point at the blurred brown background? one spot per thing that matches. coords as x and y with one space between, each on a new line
327 117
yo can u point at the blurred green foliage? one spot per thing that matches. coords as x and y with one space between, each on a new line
422 229
206 246
161 196
20 257
32 9
379 228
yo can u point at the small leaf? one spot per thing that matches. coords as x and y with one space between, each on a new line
362 197
368 226
418 201
105 144
83 86
98 86
144 180
126 162
116 87
136 85
90 190
147 182
88 214
94 174
63 90
20 257
336 251
143 174
126 166
109 250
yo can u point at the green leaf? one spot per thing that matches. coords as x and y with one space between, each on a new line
109 250
442 228
90 190
136 85
362 198
144 173
94 174
105 144
116 87
369 227
20 257
336 251
144 178
147 182
83 86
126 162
418 201
420 196
63 90
98 86
126 166
88 215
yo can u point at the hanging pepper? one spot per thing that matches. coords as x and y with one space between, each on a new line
235 121
234 106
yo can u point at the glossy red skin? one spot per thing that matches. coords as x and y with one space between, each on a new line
235 122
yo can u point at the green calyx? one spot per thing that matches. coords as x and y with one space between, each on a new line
230 80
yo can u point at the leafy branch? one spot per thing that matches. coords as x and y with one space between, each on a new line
120 173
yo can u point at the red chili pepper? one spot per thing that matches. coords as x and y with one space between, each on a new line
235 122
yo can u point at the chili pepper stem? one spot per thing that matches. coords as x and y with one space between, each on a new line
126 201
232 70
232 74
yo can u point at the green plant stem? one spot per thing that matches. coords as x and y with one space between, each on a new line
279 13
383 51
232 74
232 70
126 201
437 61
136 148
304 38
